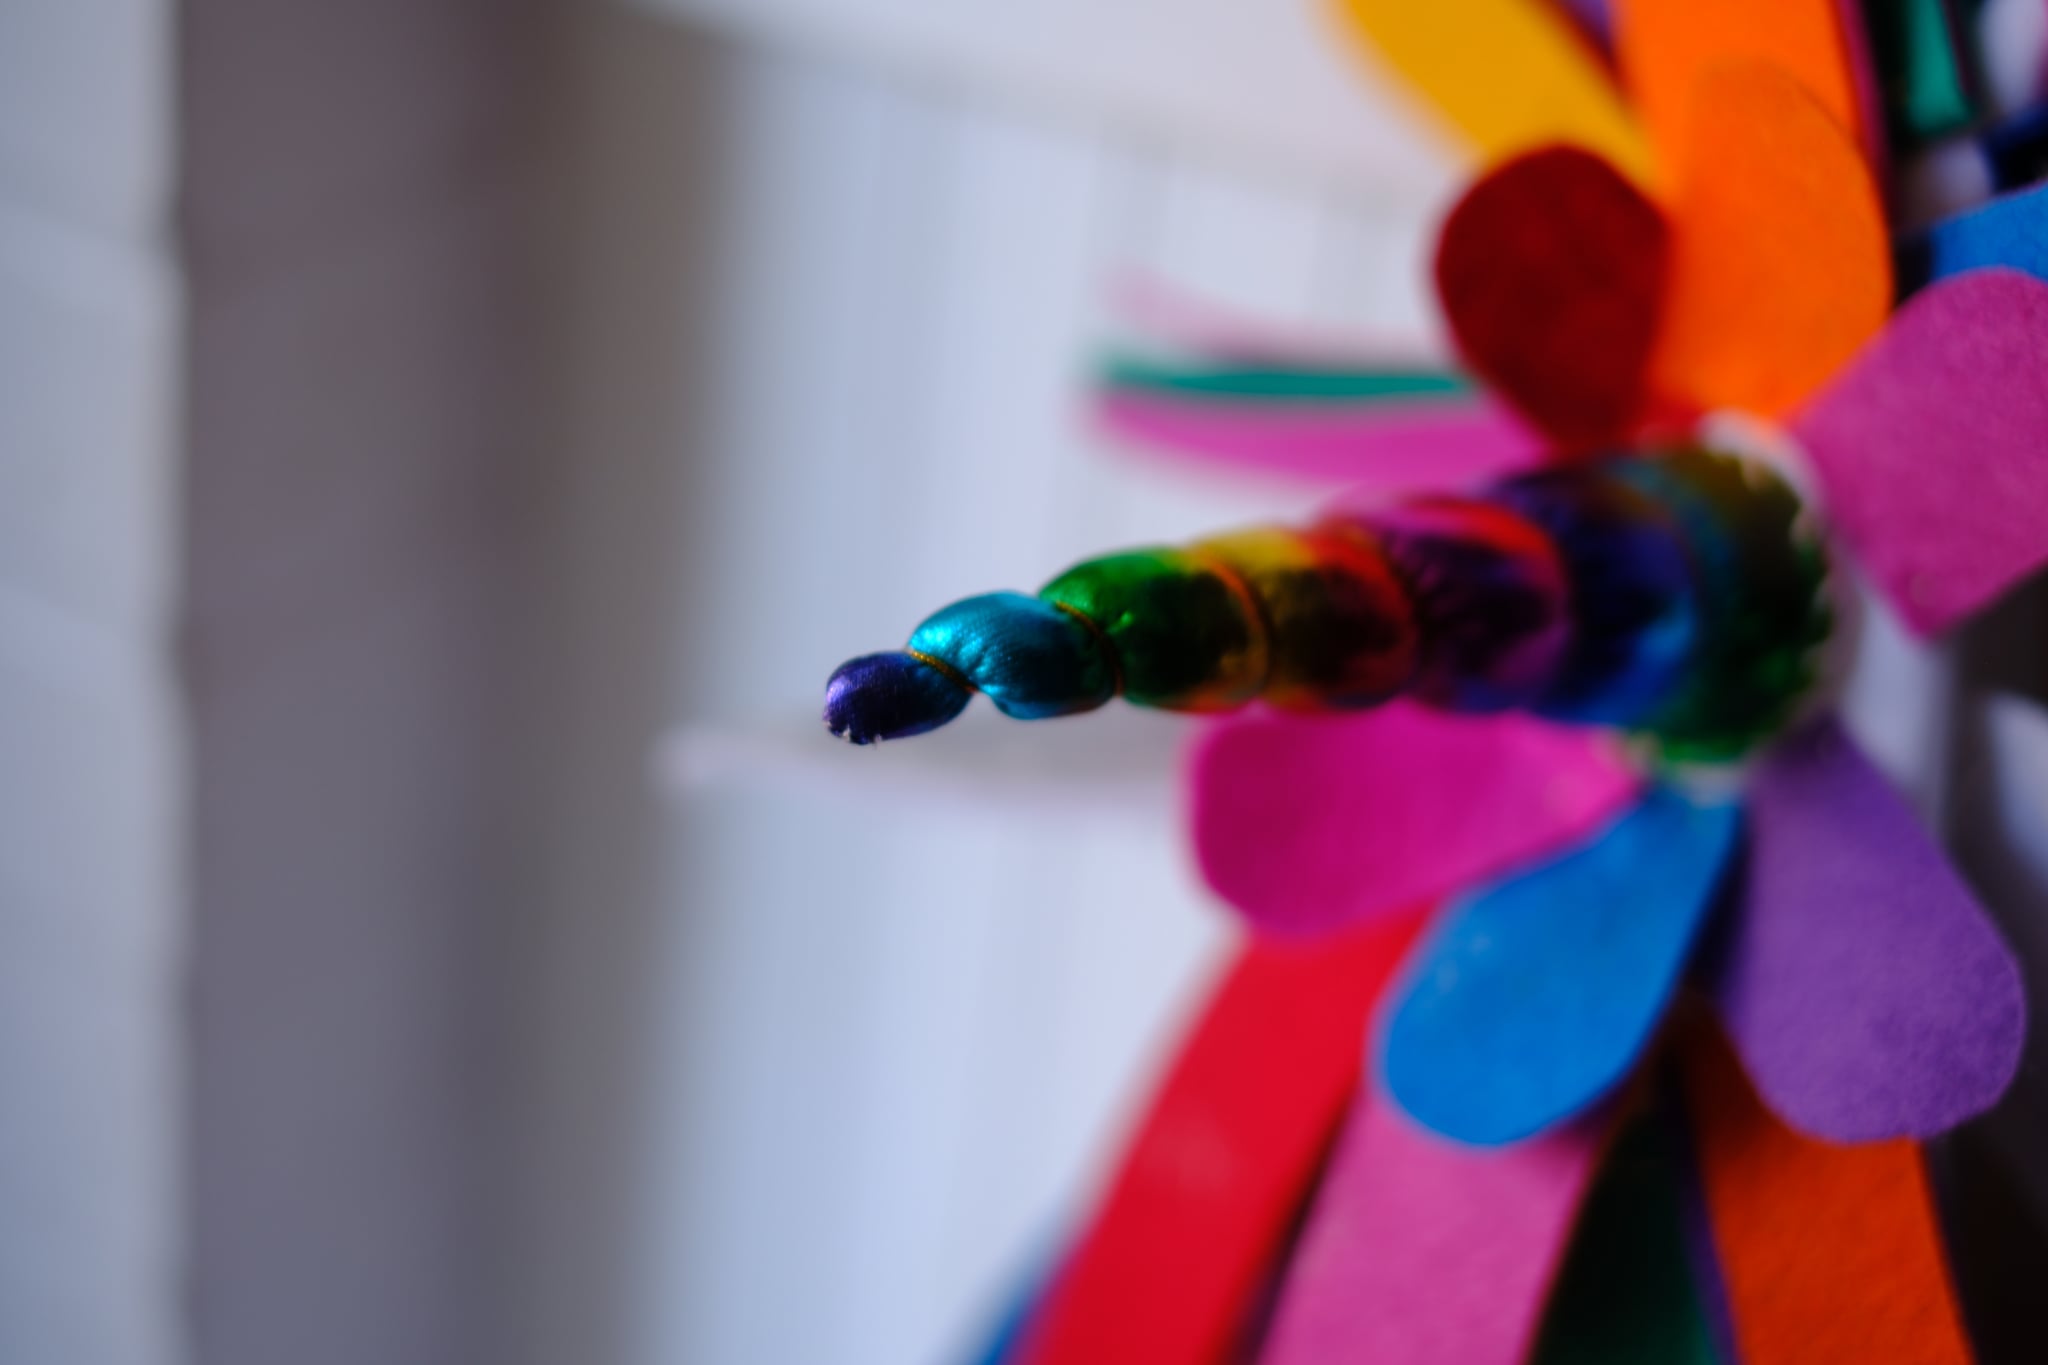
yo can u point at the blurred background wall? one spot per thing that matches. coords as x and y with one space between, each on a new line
94 889
444 444
362 259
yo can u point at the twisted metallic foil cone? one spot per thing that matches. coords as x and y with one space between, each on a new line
1677 596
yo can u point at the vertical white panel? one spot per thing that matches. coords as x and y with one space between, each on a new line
826 189
1015 233
86 127
898 1039
1374 271
88 414
1247 245
91 740
90 1057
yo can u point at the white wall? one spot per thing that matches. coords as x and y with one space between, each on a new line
91 738
1246 82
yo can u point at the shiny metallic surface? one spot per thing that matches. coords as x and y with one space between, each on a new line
1676 596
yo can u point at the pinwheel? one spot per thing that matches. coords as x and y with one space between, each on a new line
1507 766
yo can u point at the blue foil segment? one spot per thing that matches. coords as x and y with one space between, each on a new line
1032 659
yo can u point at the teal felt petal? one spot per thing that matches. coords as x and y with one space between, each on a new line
1535 996
1303 382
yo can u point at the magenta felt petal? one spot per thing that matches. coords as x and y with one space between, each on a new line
1307 824
1932 445
1867 992
1428 1253
1387 447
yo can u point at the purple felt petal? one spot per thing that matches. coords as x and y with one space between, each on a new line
1866 990
1593 19
1308 824
1386 447
1932 445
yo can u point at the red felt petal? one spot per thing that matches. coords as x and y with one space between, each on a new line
1173 1264
1307 824
1933 446
1551 271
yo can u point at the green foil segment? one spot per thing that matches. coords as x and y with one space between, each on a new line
1184 634
1761 576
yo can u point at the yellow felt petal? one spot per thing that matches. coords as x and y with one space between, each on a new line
1780 267
1665 47
1507 75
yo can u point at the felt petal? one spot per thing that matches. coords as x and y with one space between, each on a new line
1781 263
2011 230
1006 1336
1273 382
1831 1255
1709 1286
1209 1188
1306 824
1594 18
1869 995
1506 75
1533 998
1665 48
1922 68
1428 1253
1932 447
1551 270
1626 1294
1390 448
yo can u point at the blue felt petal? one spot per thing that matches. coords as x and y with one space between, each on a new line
2011 230
1535 996
1006 1337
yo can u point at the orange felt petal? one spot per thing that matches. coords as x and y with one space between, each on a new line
1664 47
1829 1255
1506 75
1780 266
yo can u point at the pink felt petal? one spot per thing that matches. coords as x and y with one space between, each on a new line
1390 448
1428 1253
1307 824
1868 994
1932 446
